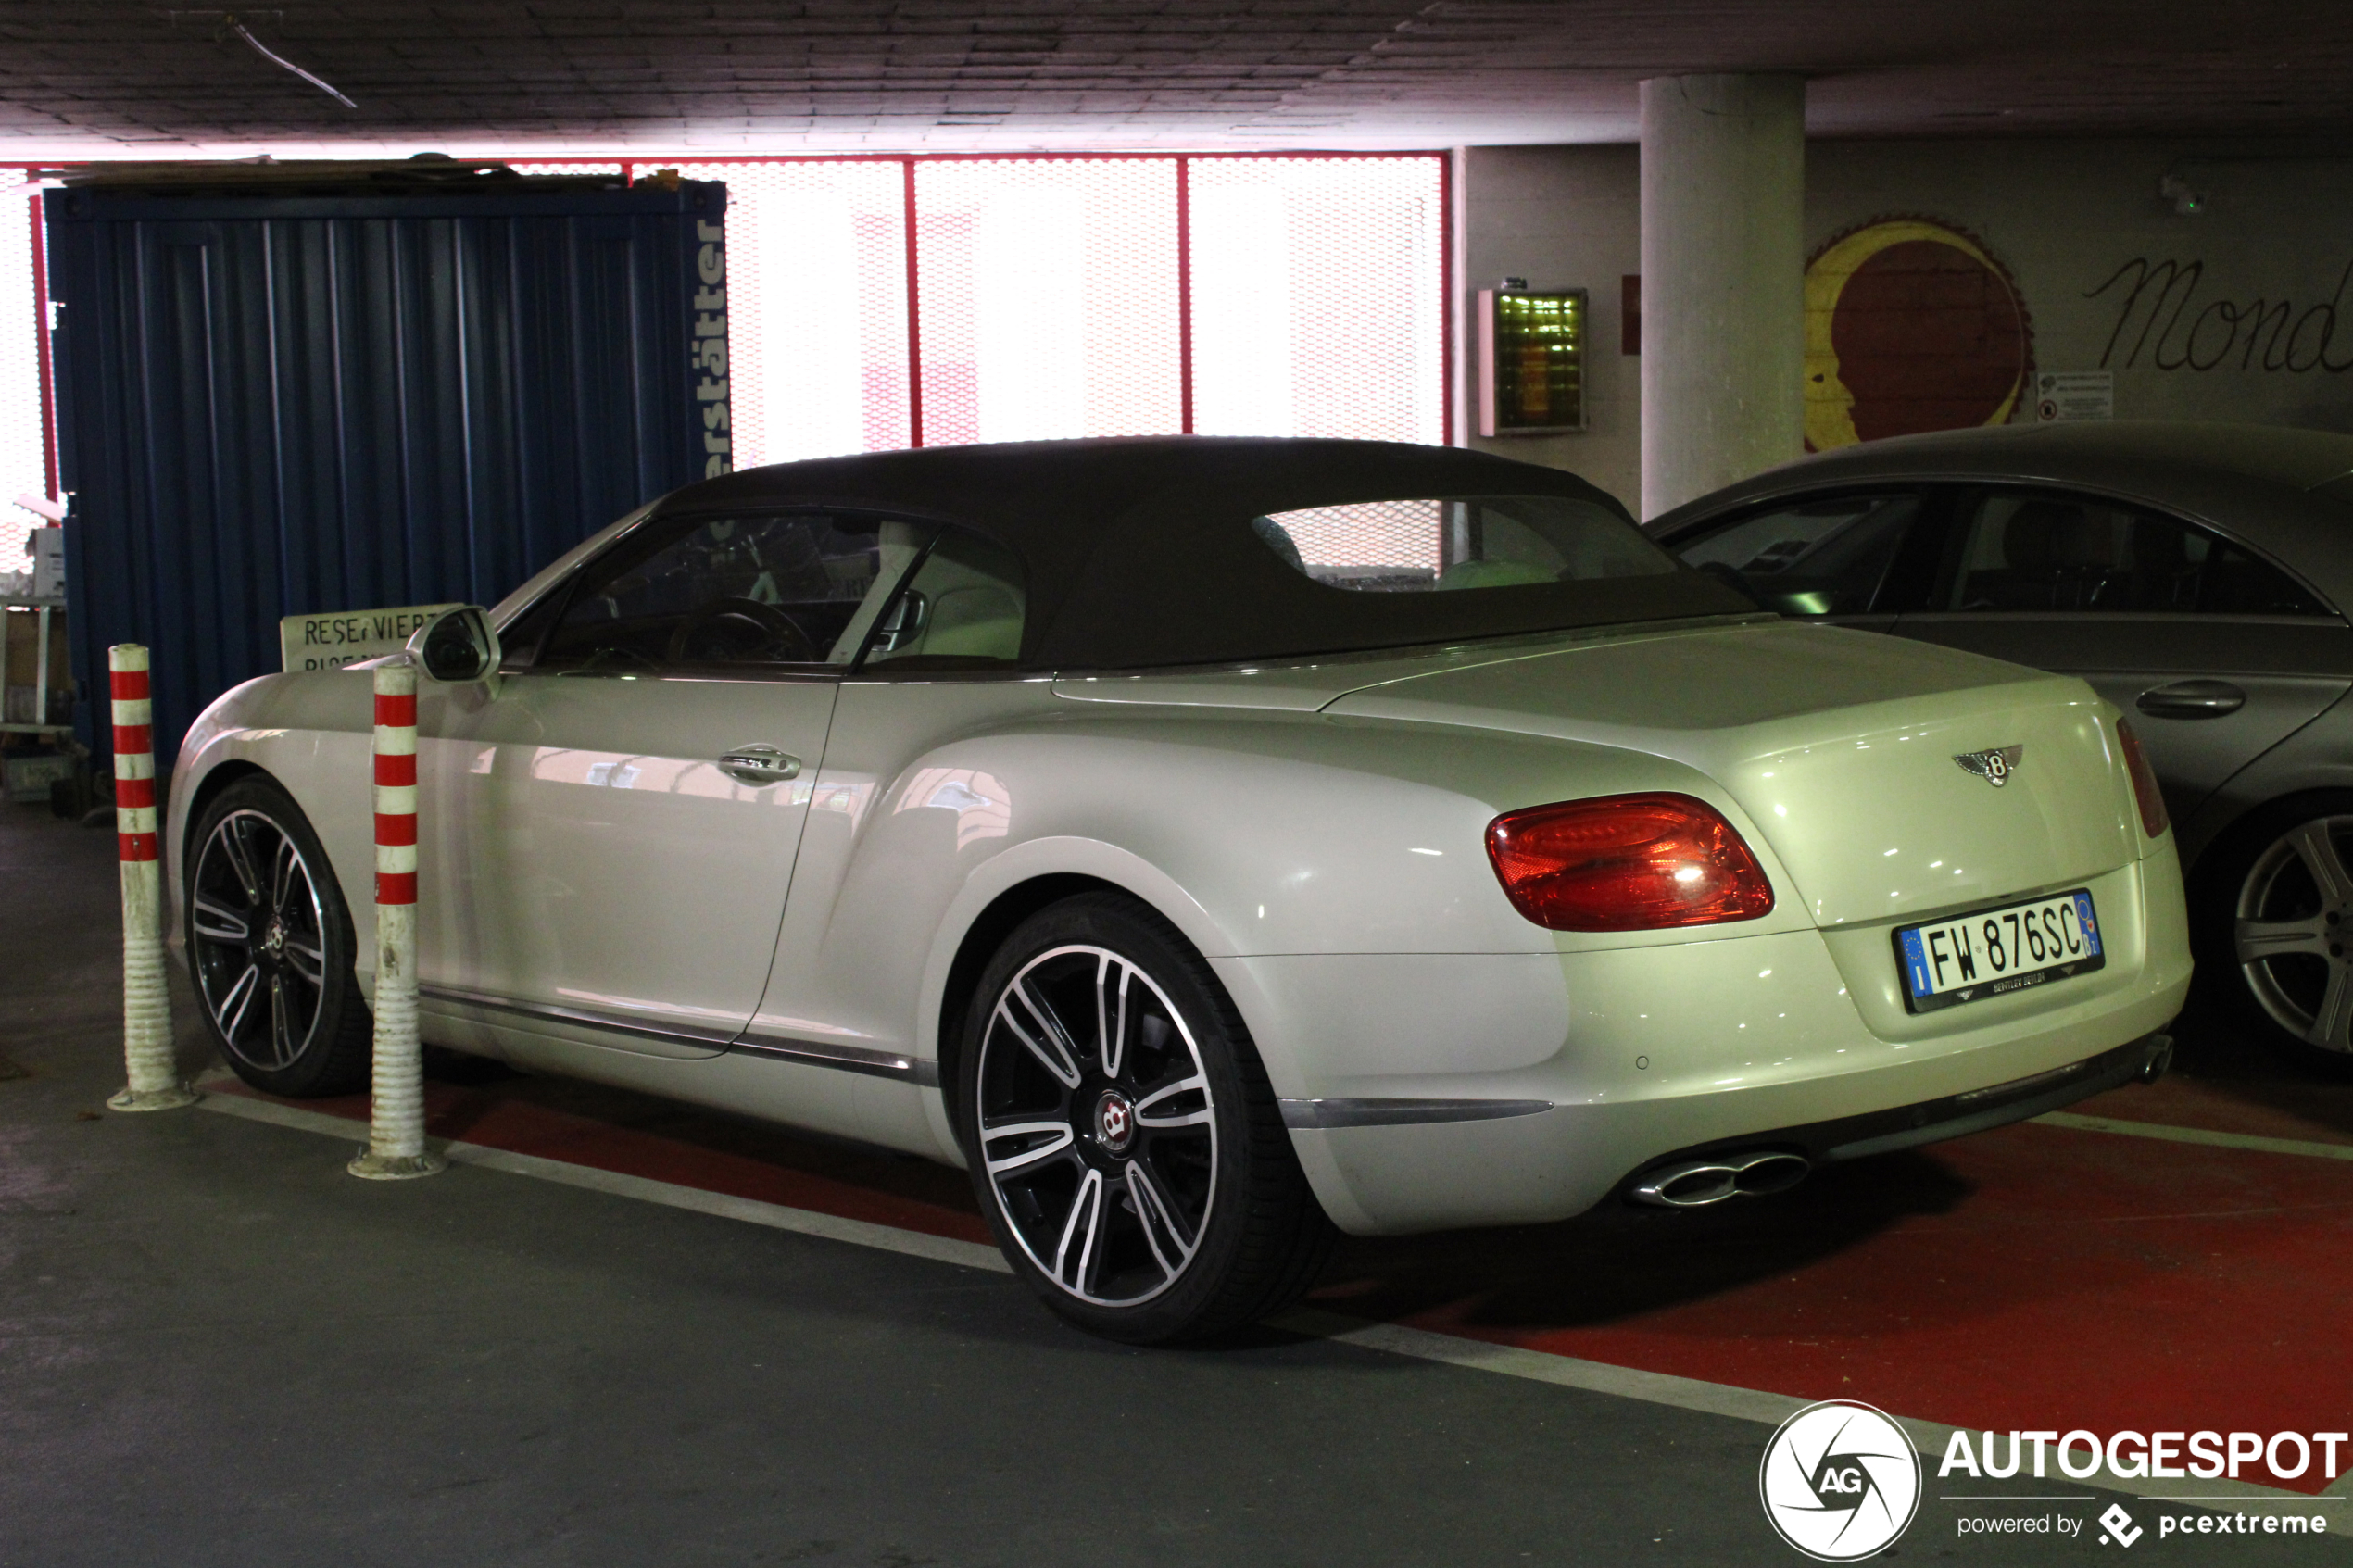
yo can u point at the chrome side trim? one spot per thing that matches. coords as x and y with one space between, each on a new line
585 1018
1305 1113
847 1058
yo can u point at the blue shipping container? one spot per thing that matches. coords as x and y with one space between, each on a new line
275 405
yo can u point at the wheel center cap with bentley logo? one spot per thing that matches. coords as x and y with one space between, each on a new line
273 940
1114 1121
1996 766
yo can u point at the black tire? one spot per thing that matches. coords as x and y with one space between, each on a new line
2272 914
1095 1173
271 945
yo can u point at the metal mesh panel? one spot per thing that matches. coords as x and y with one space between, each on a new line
1318 297
1396 536
817 306
23 465
1049 303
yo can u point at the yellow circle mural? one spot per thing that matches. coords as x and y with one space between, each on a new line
1910 325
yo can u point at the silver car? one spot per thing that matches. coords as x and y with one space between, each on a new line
1206 843
2197 576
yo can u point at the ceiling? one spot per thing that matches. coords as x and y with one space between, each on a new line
106 79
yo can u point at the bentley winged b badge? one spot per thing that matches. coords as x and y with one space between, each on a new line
1996 766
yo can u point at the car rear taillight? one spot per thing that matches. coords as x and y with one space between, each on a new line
1627 862
2144 791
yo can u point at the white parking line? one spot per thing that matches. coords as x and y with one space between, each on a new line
775 1216
1566 1372
1715 1398
1395 1339
2194 1135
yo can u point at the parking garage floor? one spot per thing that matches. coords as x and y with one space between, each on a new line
618 1331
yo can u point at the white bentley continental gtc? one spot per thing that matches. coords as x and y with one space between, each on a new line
1207 843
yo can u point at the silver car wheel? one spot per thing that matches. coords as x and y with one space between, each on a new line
2293 910
256 940
1097 1129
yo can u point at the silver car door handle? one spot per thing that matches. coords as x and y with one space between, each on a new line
2191 699
759 765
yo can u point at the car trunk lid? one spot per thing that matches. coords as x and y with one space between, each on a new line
1846 751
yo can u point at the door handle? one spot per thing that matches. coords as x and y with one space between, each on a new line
2191 699
759 765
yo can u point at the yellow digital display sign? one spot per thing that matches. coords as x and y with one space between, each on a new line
1533 361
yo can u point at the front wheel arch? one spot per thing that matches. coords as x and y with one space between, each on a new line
270 905
212 783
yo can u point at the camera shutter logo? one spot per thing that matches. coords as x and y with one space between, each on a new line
1840 1481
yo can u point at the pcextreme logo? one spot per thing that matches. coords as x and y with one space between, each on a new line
1840 1481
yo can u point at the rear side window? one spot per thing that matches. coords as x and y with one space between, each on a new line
737 592
1829 556
963 609
2080 554
1438 545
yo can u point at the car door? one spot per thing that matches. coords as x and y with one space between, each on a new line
1849 556
903 812
2216 654
618 815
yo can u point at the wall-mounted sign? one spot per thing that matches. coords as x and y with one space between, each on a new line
328 642
1910 325
1532 362
2074 395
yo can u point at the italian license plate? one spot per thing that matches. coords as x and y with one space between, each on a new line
1994 952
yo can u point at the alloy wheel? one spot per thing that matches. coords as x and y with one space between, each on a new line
2294 932
256 936
1097 1131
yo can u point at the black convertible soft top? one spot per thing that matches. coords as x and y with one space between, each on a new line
1140 553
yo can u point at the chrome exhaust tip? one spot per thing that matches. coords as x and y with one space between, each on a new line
1695 1184
2160 1056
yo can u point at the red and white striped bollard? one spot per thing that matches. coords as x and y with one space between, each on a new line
396 1111
146 997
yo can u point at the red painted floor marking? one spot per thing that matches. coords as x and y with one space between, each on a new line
495 1117
2033 1278
2027 1278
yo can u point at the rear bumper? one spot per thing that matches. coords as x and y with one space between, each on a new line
1431 1093
1952 1116
1550 1165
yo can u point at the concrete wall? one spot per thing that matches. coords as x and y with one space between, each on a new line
1562 218
2079 226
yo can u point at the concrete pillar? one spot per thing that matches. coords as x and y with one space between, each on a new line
1723 281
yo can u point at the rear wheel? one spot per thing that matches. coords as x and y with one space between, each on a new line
1122 1138
2279 920
271 945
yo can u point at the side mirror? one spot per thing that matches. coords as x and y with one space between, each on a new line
457 646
